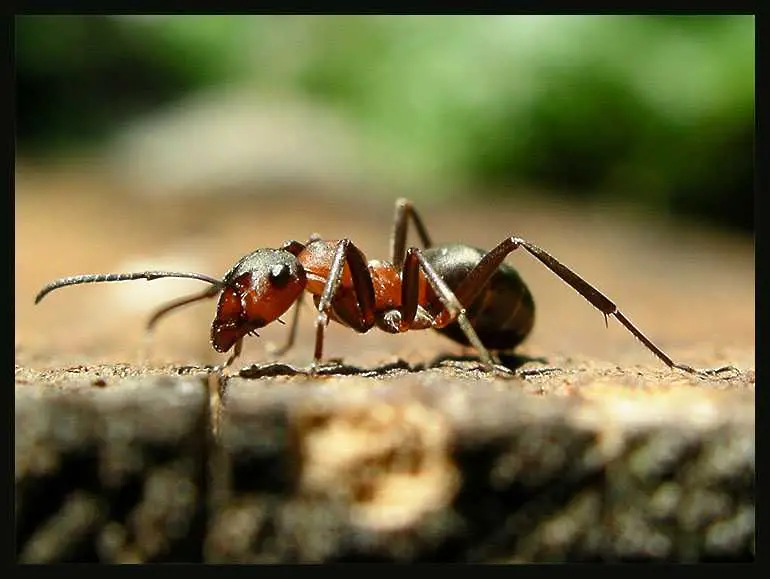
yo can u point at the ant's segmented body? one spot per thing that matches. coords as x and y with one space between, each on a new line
469 295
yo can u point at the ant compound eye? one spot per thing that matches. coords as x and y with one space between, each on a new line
280 275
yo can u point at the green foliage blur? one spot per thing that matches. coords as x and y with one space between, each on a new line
655 109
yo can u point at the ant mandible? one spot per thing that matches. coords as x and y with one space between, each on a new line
469 295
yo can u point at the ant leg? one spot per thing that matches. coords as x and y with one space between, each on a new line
405 211
453 306
470 288
346 253
146 344
280 351
178 303
236 352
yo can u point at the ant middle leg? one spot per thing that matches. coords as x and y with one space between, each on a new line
363 287
405 211
472 285
289 343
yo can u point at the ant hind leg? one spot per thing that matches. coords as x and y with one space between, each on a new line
290 339
454 310
474 283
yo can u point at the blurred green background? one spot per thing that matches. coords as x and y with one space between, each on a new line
653 111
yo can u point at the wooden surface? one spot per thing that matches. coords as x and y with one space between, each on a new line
690 290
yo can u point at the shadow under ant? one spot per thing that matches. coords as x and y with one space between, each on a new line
508 360
509 366
334 367
331 368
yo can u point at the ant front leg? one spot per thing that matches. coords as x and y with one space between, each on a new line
363 287
404 212
169 307
178 303
454 310
470 288
236 352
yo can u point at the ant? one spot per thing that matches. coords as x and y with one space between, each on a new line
469 295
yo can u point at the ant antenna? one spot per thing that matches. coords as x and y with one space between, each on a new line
97 278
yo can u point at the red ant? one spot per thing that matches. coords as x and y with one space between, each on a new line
467 294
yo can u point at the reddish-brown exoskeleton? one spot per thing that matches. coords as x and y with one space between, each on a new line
469 295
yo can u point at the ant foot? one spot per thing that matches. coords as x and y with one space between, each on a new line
537 372
501 370
329 367
709 372
220 369
721 370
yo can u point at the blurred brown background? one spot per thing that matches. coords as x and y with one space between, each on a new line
622 144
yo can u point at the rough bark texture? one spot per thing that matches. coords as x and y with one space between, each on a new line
112 472
405 466
424 470
414 453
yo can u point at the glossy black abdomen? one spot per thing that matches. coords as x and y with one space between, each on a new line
504 312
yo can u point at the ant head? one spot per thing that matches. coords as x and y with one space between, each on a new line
257 290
